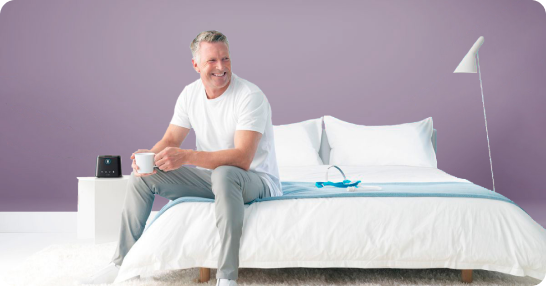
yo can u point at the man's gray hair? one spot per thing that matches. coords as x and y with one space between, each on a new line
206 36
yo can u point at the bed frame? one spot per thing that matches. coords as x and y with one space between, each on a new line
324 153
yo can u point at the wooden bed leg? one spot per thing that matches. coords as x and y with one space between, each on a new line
466 276
204 274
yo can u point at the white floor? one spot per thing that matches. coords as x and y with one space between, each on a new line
15 247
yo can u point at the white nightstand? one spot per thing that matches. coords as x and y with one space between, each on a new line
100 201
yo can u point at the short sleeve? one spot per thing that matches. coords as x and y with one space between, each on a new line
253 113
180 116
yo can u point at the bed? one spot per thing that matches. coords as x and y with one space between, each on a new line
351 232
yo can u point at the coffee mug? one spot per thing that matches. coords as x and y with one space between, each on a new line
145 162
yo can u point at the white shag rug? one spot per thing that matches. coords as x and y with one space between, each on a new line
60 264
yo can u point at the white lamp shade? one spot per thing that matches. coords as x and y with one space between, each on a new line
468 64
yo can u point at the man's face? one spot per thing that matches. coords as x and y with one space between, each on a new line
214 66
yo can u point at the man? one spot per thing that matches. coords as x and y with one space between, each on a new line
235 157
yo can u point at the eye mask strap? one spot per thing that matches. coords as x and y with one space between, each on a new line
343 174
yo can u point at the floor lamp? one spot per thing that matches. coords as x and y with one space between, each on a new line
468 65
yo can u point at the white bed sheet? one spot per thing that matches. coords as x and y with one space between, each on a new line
359 232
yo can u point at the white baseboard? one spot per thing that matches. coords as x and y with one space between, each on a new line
47 222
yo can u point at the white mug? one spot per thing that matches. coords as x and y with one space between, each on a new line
145 162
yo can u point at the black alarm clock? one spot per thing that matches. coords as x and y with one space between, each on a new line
109 166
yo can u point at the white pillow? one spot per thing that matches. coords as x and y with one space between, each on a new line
406 144
298 144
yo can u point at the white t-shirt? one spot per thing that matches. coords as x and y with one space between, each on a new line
243 106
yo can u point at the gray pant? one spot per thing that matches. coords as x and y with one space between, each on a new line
229 187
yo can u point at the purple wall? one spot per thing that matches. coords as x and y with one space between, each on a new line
76 75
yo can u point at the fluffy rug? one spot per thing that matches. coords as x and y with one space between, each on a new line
60 264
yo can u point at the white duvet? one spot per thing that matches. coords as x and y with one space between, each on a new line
360 232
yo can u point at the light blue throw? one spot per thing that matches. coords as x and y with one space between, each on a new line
306 190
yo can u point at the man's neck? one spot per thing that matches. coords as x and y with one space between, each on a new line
212 94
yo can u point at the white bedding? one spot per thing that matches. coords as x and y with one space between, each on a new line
360 232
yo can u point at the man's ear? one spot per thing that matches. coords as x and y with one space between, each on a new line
195 66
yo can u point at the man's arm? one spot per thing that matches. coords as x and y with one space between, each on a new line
246 143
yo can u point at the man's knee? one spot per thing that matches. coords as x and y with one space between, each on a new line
223 177
138 181
133 179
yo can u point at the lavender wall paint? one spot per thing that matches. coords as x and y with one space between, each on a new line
76 75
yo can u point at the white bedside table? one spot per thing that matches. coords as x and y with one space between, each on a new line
100 201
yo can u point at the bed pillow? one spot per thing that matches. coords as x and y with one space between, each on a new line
407 144
298 144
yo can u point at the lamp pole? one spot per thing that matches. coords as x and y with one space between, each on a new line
485 117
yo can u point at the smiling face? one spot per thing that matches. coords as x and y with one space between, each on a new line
214 67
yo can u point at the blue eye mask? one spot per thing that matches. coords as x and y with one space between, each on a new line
343 184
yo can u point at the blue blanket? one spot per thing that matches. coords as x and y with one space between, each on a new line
306 190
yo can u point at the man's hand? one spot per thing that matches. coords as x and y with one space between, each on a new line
171 158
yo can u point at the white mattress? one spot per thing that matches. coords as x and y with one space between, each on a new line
360 232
